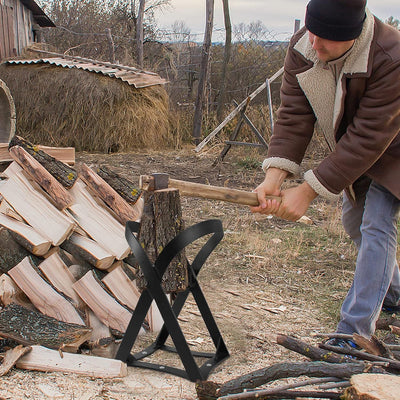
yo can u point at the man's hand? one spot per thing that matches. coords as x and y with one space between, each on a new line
295 202
270 186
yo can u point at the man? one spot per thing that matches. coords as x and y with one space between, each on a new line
342 74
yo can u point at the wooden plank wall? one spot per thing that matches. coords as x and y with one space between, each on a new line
7 48
19 23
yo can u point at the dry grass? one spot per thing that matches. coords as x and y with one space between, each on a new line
91 112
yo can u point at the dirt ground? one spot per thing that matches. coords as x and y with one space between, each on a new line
251 296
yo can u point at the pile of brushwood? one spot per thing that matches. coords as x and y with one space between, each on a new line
370 372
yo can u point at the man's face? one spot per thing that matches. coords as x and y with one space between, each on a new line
328 50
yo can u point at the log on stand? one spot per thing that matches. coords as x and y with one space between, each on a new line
62 172
32 327
161 222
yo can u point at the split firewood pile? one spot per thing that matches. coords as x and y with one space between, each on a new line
68 285
371 372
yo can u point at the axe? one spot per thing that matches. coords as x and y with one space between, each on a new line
160 181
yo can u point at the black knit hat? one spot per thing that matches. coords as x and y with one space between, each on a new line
338 20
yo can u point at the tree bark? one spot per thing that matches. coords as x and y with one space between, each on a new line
62 172
161 222
124 187
11 252
312 352
227 57
30 327
205 60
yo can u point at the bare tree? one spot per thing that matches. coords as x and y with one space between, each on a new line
139 34
205 59
227 56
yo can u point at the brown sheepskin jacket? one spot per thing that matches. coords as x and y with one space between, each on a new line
359 115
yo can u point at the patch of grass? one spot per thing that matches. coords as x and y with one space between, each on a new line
249 163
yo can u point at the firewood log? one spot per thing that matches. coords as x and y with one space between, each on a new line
98 223
124 187
211 390
43 295
61 278
10 293
373 387
58 194
43 359
32 327
105 306
63 154
62 172
26 236
121 208
38 211
89 250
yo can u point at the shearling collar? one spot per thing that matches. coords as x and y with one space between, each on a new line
318 83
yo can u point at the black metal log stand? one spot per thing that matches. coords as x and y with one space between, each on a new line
170 313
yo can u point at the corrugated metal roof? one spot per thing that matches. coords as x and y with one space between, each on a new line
130 75
38 14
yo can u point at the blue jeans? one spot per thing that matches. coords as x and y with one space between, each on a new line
372 225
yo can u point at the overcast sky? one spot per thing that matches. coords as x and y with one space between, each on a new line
277 15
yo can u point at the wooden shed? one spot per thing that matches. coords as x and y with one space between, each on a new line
19 20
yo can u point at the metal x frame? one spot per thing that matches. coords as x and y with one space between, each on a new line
170 313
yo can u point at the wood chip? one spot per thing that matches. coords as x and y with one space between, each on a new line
11 357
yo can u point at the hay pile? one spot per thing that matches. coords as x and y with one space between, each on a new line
91 112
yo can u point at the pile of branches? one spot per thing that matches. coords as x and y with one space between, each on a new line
330 373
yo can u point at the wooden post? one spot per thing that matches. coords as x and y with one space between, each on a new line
198 114
227 56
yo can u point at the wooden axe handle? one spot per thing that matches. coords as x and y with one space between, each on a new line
217 193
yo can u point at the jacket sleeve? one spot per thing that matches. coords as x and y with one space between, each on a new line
373 128
294 126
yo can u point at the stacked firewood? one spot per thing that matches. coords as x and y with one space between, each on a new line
71 282
370 372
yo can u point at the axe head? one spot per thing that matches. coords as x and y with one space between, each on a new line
156 181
